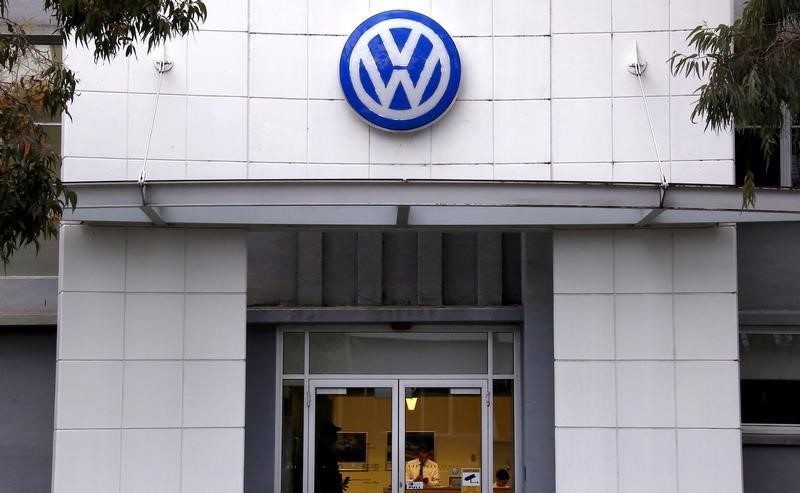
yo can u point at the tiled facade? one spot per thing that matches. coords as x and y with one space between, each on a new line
646 361
546 95
151 348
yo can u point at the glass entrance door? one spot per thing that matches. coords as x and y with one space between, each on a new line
392 436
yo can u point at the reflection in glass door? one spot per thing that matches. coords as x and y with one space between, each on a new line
351 425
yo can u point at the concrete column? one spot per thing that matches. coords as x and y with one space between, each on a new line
646 370
150 385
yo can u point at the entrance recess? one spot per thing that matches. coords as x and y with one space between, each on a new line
375 428
359 402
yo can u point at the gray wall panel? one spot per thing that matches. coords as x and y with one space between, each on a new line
370 269
27 399
271 268
259 431
771 469
309 268
429 268
400 268
459 272
339 269
768 266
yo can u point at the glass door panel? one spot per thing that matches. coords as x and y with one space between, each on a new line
443 440
349 447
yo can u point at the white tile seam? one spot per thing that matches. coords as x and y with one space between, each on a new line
308 87
248 63
493 105
674 363
550 86
122 356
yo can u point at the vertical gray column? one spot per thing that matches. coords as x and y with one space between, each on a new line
309 268
490 273
538 397
370 266
429 269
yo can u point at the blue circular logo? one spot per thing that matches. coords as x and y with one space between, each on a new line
400 70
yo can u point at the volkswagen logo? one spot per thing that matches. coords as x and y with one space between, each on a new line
400 71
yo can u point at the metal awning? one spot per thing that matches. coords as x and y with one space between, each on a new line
419 203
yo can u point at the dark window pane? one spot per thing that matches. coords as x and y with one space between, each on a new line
750 156
770 373
771 401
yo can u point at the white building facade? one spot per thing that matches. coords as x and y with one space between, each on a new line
618 293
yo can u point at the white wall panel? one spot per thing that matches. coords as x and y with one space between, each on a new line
586 460
168 138
585 326
647 461
88 394
98 127
688 14
633 140
400 148
581 130
217 64
336 16
464 135
709 460
464 17
151 461
152 394
336 134
521 68
278 130
87 461
476 80
217 129
581 65
278 67
213 460
581 16
640 15
278 16
645 394
226 15
644 326
585 394
91 325
213 394
521 17
154 325
522 131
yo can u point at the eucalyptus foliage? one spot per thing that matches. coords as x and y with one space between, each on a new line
753 73
35 86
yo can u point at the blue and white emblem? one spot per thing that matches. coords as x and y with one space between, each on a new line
400 70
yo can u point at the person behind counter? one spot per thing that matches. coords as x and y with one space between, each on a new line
423 468
501 479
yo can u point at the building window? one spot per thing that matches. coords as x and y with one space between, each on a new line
784 166
770 376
